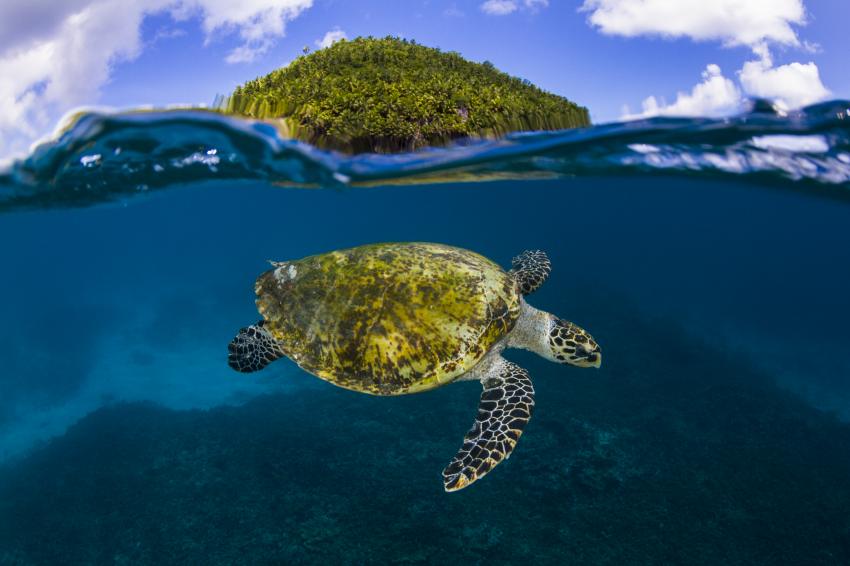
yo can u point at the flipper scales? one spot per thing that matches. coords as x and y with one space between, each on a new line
252 349
531 270
503 411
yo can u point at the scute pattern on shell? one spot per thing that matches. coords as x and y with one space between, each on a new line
388 319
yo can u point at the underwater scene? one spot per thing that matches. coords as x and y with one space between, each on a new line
707 258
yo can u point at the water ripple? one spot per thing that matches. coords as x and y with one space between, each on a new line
103 156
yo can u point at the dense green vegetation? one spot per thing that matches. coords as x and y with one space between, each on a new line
391 94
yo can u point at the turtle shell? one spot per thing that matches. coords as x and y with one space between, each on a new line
388 319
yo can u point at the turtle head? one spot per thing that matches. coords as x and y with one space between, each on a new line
571 344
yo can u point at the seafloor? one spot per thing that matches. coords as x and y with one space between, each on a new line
687 455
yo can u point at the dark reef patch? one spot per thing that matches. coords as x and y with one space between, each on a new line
681 456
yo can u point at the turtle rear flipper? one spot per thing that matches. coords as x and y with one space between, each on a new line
252 349
531 270
503 411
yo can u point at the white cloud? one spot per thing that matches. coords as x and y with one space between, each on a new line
789 86
330 38
535 4
30 21
734 22
499 7
68 53
258 22
505 7
716 95
49 76
752 23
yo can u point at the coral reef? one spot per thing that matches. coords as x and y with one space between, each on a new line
686 456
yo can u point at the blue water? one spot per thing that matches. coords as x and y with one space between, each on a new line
708 258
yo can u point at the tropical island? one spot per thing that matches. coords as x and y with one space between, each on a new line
391 94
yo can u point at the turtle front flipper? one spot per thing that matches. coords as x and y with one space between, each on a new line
531 270
252 349
503 411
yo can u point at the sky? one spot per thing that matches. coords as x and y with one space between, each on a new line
623 59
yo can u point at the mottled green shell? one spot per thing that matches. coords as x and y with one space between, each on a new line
388 319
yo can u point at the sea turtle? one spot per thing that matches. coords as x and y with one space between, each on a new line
396 318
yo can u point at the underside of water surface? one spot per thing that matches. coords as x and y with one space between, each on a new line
106 156
708 259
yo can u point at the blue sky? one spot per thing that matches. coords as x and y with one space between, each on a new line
700 57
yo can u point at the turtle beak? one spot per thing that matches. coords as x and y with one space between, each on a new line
587 357
590 359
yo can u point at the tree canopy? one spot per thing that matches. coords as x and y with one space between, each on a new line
391 94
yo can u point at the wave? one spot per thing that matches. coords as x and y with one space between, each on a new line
106 156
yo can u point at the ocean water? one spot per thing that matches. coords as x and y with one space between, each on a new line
709 258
